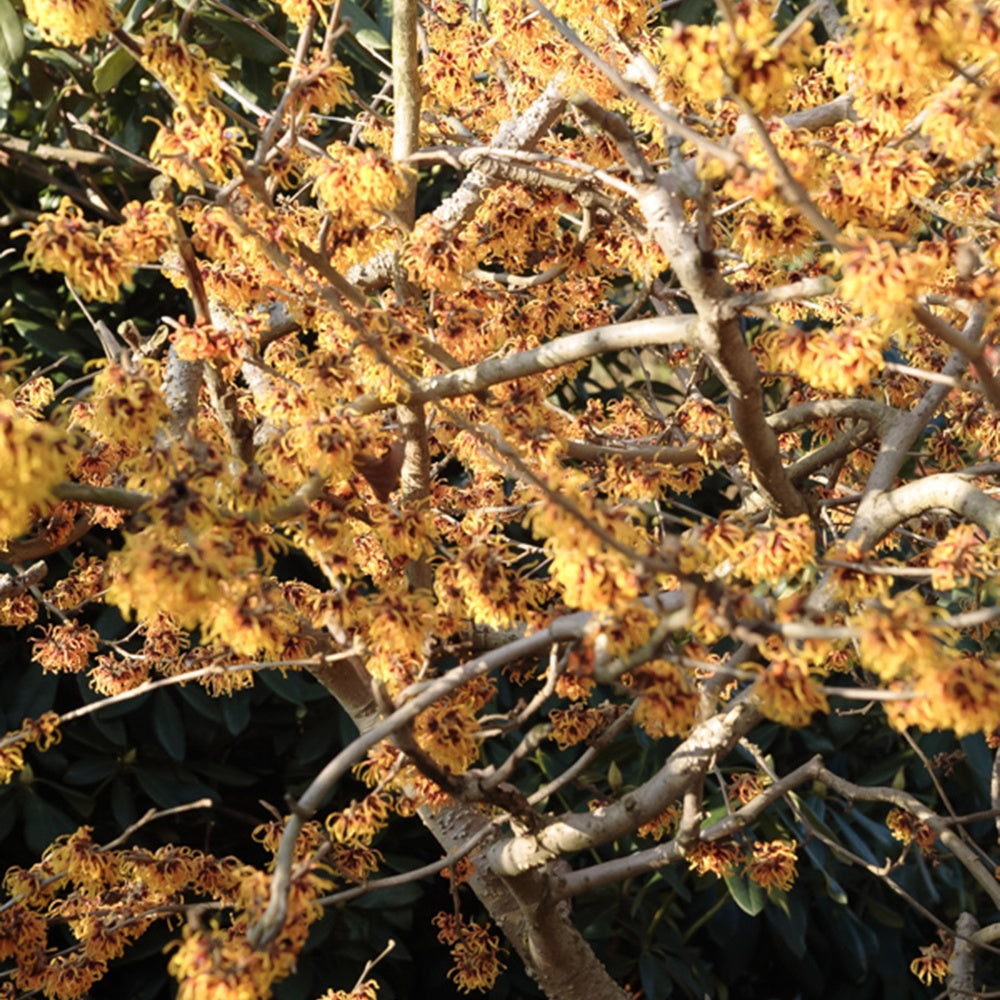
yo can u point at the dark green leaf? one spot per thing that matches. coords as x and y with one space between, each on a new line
89 770
293 686
206 706
110 70
821 862
885 915
236 711
169 727
398 896
113 730
224 774
123 807
746 894
656 982
168 786
249 43
11 41
43 822
9 813
791 921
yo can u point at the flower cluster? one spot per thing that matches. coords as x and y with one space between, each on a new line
72 22
772 863
474 950
34 455
43 732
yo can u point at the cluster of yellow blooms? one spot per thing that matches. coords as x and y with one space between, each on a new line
475 951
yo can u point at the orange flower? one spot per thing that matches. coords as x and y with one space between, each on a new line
65 648
906 828
934 963
662 825
718 857
667 702
475 951
575 724
71 22
773 863
745 787
787 694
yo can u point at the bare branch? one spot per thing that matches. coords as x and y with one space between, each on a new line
520 133
962 965
565 350
971 349
412 701
903 800
945 491
642 862
12 584
720 336
670 123
791 190
574 832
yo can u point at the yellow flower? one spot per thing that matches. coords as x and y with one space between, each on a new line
357 186
33 456
447 733
184 69
198 148
787 694
962 555
784 551
934 963
719 857
72 22
959 693
323 84
839 359
299 11
881 279
475 951
667 702
92 259
898 638
773 863
11 757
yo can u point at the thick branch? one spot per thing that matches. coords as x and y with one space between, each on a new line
962 967
406 96
971 349
947 491
900 438
536 925
642 862
522 132
573 832
823 115
659 454
562 351
720 336
420 697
